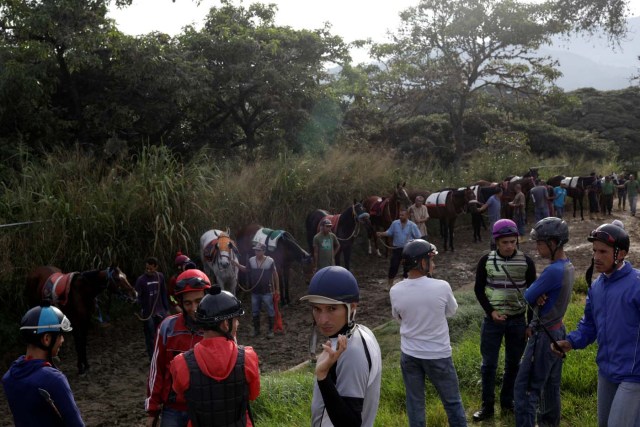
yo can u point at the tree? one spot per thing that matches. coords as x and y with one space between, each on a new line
446 52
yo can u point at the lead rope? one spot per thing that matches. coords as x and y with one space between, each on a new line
154 302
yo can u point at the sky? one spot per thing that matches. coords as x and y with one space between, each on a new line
350 19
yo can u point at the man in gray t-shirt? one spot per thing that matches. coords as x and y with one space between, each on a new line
540 197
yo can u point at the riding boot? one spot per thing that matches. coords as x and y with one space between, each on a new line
256 327
270 331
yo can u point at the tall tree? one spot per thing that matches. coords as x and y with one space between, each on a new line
447 51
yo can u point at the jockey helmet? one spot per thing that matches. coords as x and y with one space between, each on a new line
191 280
612 235
504 228
551 228
415 251
181 259
216 307
43 319
259 246
333 285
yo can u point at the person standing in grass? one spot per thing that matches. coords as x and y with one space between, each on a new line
612 318
349 369
421 305
505 314
325 246
540 371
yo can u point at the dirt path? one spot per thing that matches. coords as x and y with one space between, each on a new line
112 394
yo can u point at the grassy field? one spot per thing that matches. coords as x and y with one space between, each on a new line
285 399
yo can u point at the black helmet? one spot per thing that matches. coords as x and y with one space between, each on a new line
216 307
551 228
416 250
43 319
612 235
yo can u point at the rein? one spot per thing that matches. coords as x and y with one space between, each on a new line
356 229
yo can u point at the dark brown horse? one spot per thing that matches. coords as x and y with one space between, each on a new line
346 226
383 211
576 188
75 294
281 246
445 205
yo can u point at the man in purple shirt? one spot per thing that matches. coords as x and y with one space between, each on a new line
152 297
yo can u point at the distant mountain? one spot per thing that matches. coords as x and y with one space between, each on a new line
592 62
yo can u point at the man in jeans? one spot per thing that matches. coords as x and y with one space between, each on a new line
631 187
505 314
421 305
540 372
153 300
401 231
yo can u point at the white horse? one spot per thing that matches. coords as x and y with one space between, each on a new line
217 252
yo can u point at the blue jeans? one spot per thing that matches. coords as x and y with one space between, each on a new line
519 219
513 331
442 375
541 213
257 300
538 382
150 327
559 211
173 418
618 404
632 204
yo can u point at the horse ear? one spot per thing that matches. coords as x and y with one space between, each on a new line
404 184
355 202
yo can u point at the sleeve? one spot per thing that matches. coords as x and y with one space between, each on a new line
180 375
394 310
252 372
163 292
416 231
390 230
543 285
62 397
586 332
481 283
157 371
452 304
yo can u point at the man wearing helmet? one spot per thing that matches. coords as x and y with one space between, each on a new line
505 314
181 263
37 392
217 377
612 317
176 334
551 292
421 305
347 389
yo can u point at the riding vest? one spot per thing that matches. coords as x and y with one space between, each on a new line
261 275
215 403
502 294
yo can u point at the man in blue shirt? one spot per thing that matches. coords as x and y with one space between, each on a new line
612 317
402 230
560 193
493 206
550 294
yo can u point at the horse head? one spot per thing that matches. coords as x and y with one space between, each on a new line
117 282
360 213
224 251
402 196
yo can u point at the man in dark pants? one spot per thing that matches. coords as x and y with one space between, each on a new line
505 314
401 231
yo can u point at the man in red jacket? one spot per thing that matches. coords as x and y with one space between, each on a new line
176 334
218 378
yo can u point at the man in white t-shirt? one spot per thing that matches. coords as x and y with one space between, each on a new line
422 305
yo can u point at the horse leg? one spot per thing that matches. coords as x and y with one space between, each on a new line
451 225
284 289
347 255
80 333
443 234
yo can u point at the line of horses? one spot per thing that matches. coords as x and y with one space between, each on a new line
219 253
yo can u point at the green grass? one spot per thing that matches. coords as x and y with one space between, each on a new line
285 399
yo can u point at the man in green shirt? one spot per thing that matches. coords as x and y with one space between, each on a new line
325 246
606 202
632 186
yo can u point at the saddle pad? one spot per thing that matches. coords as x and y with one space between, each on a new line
268 237
571 182
438 199
56 288
378 207
473 188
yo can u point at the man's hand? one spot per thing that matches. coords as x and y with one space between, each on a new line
329 356
564 345
542 300
497 317
152 421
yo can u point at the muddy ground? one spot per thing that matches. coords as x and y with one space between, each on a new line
112 393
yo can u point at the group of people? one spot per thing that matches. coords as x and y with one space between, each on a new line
200 376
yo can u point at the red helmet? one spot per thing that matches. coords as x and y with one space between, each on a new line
181 259
191 280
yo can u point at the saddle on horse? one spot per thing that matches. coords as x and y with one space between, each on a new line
56 288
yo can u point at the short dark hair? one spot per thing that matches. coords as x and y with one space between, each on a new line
151 260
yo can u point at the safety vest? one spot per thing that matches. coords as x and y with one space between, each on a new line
213 403
502 294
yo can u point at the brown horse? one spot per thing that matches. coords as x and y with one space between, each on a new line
445 205
346 227
384 210
75 294
284 249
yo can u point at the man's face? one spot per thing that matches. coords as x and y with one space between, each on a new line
403 216
190 301
330 318
150 269
507 245
259 253
543 249
326 228
603 257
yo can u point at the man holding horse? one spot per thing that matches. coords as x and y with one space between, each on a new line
37 392
218 377
152 298
325 246
349 370
402 230
177 334
493 206
505 314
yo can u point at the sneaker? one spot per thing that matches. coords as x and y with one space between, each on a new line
484 413
270 334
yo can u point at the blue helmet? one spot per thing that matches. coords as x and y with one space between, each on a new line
333 285
42 319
